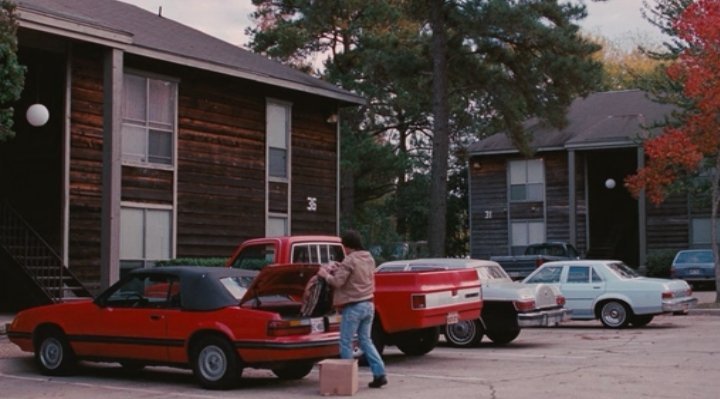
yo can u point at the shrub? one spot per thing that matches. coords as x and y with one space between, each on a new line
214 262
659 261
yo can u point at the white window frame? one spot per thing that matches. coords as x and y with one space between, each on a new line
143 160
526 173
145 260
282 140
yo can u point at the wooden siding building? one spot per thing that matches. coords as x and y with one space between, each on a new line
162 142
572 188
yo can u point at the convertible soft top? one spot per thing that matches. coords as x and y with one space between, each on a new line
201 286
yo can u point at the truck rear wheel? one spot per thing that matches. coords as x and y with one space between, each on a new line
502 337
378 336
464 334
419 342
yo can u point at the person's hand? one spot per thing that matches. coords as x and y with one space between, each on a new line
323 272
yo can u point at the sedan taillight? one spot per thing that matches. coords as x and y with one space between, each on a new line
284 328
560 300
524 305
667 295
418 301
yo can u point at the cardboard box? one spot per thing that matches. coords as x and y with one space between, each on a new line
338 377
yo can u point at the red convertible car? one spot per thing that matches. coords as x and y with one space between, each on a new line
216 321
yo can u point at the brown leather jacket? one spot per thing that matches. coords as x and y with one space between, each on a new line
353 279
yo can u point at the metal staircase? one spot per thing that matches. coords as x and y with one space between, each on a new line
36 258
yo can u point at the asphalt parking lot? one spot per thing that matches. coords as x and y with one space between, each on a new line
673 357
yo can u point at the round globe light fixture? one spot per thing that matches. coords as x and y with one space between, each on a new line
37 115
610 184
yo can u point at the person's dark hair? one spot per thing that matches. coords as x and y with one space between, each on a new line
352 240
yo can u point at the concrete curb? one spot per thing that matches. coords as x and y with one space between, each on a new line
704 312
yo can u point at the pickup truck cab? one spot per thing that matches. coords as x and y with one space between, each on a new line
520 266
256 253
410 308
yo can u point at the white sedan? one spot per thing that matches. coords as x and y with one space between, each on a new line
611 291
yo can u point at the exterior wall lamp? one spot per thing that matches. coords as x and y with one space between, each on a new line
37 115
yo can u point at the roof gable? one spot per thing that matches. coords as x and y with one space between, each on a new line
601 120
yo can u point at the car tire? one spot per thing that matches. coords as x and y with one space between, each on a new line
377 334
502 337
419 342
465 333
615 314
53 353
641 320
294 371
215 363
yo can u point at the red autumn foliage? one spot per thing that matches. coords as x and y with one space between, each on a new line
680 150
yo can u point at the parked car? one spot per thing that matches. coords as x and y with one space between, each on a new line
214 320
520 266
508 306
696 266
611 291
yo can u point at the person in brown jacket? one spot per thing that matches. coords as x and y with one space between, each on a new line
353 281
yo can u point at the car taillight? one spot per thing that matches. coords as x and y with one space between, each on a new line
418 302
524 305
284 328
667 295
560 300
539 262
334 323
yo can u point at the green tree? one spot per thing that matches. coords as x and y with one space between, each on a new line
491 65
506 61
12 74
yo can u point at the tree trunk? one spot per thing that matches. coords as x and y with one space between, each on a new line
439 168
713 223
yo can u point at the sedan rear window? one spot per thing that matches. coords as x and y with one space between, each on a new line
237 286
623 270
694 257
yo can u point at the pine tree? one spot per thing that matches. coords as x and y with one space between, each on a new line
12 74
433 70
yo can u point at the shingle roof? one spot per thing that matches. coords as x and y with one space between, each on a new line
150 35
601 120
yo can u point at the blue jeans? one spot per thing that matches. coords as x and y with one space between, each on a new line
358 318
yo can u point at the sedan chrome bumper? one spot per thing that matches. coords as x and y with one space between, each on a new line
543 318
679 304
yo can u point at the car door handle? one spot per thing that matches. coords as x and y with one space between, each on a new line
596 287
156 317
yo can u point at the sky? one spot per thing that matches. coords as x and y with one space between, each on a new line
620 21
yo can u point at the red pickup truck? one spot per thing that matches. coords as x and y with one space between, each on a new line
411 307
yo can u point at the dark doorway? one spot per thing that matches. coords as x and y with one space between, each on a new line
613 212
31 163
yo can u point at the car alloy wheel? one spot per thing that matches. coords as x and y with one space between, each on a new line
53 353
614 314
215 363
464 333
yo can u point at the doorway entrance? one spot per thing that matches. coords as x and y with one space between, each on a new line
613 212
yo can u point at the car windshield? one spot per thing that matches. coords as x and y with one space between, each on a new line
492 273
694 257
237 286
622 270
